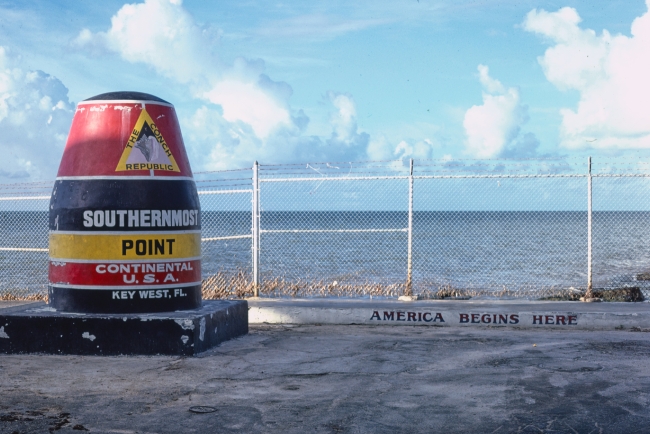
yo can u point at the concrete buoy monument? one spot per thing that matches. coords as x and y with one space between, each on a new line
124 242
125 229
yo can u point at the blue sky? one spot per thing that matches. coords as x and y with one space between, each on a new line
334 81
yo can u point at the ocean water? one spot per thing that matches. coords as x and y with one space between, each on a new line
490 251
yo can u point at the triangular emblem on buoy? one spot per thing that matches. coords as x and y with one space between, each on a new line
146 148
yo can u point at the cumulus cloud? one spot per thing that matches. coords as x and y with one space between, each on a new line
161 34
35 116
524 147
609 71
220 144
217 143
344 119
249 103
245 114
418 149
381 148
492 126
346 139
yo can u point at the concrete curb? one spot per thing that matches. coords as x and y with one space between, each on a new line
443 313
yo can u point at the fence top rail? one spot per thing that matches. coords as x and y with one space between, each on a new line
332 178
504 175
478 176
222 180
620 175
426 160
295 231
367 178
23 249
25 198
223 191
231 237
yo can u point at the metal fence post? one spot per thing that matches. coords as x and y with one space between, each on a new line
256 231
589 294
409 271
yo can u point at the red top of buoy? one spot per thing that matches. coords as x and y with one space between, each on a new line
124 134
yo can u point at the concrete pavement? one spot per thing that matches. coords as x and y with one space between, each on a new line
342 379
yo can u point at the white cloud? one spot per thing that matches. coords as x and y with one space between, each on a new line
218 143
492 126
346 142
159 33
381 148
490 84
609 71
420 149
35 117
244 115
318 26
163 35
343 120
248 103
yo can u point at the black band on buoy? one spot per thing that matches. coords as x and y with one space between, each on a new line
125 96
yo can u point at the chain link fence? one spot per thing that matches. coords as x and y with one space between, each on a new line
508 233
226 217
621 218
333 237
23 245
540 229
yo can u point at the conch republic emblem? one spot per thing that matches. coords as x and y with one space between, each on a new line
125 218
147 148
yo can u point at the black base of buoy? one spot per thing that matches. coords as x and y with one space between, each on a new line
124 301
38 328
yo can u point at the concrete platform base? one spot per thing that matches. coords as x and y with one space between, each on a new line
37 328
445 313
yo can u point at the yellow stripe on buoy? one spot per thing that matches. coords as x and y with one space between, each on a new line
125 246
